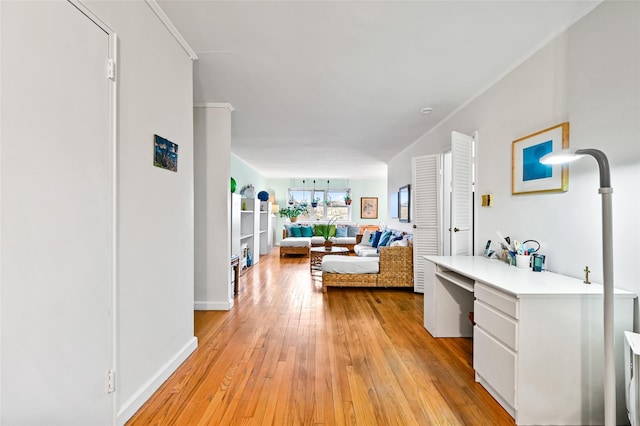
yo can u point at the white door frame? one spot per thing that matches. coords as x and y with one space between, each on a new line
111 70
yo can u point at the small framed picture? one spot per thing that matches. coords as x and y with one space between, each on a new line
369 207
528 175
165 153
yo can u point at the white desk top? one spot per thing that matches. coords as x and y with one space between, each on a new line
517 281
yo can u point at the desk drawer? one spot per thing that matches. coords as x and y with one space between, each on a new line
496 299
495 363
496 323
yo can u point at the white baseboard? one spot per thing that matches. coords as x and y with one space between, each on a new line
212 306
134 403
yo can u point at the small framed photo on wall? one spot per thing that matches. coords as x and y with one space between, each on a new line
369 207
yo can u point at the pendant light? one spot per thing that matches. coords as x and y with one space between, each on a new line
314 201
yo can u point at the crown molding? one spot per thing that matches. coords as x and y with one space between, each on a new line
155 7
215 105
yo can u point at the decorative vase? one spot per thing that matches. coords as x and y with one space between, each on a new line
293 219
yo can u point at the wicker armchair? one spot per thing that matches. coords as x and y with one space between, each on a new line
396 267
396 270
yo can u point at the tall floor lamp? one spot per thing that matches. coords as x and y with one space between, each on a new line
606 191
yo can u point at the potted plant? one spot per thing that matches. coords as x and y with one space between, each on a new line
326 231
314 202
293 211
347 199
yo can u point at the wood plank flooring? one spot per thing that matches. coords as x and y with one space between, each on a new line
288 354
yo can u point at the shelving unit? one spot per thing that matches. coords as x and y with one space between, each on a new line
250 229
266 233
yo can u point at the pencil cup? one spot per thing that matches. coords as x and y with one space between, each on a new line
523 261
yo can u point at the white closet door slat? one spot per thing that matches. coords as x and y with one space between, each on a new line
426 201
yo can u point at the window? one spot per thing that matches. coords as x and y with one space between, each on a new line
330 203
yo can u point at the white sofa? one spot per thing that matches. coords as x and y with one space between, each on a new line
300 242
364 247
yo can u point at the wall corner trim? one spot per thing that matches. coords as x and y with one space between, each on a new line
133 404
215 105
155 7
212 306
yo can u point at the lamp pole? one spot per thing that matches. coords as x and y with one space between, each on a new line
565 156
607 270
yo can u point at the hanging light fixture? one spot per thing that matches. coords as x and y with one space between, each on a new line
314 200
303 203
328 197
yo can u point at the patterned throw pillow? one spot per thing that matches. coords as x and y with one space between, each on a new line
366 238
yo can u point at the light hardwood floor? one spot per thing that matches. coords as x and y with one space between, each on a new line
288 354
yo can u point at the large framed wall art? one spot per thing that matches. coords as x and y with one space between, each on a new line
528 175
404 204
369 207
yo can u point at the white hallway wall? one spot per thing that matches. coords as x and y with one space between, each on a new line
155 250
212 131
154 247
590 76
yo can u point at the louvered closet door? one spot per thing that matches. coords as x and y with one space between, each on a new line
426 201
461 231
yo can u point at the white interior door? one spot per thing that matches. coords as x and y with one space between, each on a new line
461 228
56 227
426 196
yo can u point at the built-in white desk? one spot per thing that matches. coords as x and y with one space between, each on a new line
538 336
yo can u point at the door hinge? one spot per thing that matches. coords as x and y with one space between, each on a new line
111 381
111 69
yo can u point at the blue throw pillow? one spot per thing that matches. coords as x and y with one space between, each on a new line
295 231
396 238
353 230
376 239
384 239
341 232
306 231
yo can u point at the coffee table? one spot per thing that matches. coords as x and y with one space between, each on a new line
317 253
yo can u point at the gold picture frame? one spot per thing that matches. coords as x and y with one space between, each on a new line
528 175
369 207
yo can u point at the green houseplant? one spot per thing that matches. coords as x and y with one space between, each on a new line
293 211
326 231
347 199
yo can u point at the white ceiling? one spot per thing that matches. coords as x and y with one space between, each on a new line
335 88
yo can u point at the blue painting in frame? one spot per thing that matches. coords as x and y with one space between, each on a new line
528 175
165 153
